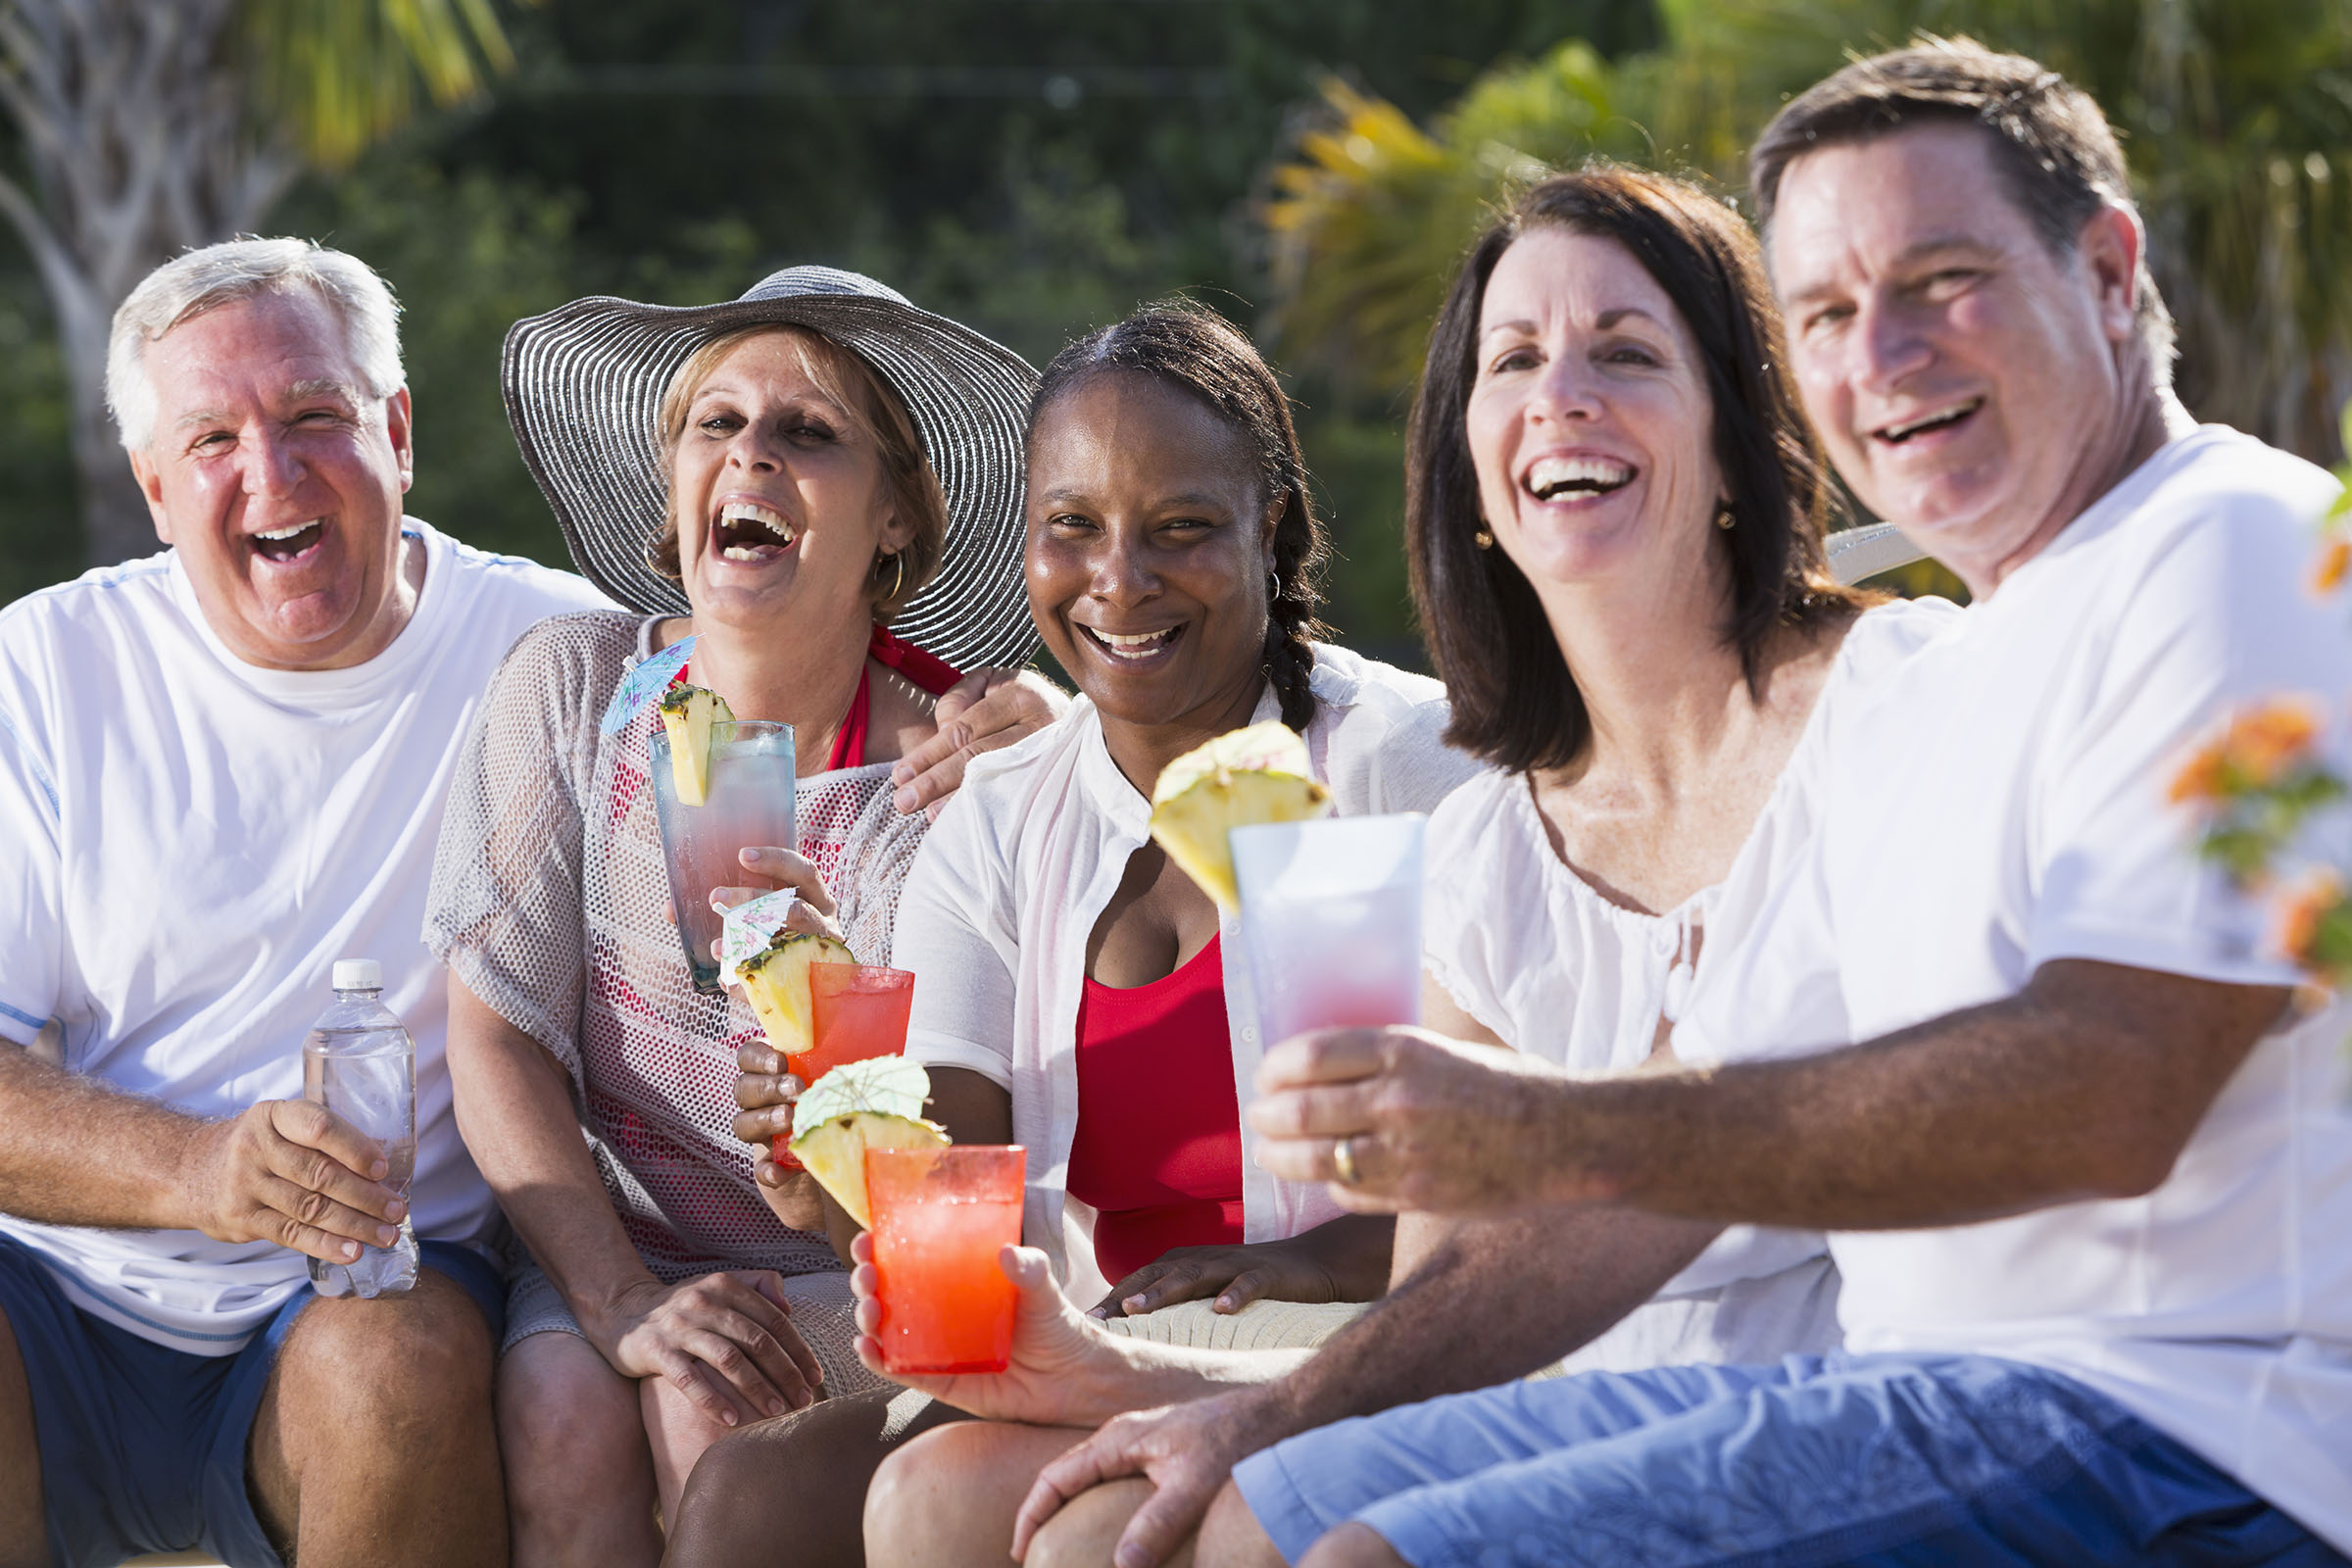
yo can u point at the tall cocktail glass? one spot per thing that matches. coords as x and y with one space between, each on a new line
940 1217
857 1010
749 803
1331 922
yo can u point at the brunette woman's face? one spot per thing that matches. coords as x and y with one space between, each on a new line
1589 421
1149 540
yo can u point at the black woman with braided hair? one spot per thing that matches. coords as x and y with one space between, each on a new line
1073 986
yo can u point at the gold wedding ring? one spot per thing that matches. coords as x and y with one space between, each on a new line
1343 1159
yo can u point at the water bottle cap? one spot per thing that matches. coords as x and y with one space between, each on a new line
358 974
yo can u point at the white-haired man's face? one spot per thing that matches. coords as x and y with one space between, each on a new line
280 480
1968 383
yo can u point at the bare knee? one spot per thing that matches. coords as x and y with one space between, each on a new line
946 1497
1085 1531
1231 1535
569 1435
799 1477
902 1502
1352 1546
408 1363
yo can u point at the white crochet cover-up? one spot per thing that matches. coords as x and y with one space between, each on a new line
549 902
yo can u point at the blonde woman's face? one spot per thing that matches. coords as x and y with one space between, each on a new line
779 495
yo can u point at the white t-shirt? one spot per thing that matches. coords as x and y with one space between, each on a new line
188 842
2000 801
994 916
1556 970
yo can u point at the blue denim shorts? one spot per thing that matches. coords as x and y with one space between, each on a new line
1880 1459
143 1447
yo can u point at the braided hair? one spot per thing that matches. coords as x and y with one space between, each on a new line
1200 353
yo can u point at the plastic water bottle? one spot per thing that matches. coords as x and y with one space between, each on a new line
359 1062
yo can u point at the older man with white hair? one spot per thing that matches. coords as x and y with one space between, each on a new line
222 769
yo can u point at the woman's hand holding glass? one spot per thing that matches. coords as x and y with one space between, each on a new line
1064 1370
764 1092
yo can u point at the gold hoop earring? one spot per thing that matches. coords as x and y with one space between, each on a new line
1483 539
898 580
652 557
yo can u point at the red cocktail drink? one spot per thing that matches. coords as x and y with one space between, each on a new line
859 1010
941 1218
855 1010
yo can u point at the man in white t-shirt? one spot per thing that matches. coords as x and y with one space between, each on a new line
2089 1174
222 769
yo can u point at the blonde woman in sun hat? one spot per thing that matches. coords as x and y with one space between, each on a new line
818 484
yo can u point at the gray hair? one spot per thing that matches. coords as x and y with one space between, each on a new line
189 285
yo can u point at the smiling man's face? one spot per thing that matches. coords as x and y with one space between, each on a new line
279 478
1966 380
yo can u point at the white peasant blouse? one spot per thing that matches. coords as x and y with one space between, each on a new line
1533 952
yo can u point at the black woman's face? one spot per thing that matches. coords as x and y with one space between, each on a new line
1149 541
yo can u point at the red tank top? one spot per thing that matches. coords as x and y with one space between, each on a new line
1158 1150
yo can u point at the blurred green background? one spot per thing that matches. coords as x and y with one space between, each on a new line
1039 167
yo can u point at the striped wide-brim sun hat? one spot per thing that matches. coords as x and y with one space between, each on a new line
582 383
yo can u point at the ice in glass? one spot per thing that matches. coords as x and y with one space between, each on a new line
749 804
941 1218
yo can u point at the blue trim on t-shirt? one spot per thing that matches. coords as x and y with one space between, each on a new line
24 1018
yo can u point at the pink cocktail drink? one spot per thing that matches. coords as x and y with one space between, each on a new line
941 1218
749 804
857 1010
1331 922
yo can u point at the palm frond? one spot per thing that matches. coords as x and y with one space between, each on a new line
334 77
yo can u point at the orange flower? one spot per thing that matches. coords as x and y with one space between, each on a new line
2269 738
2301 906
2200 776
2333 563
2258 747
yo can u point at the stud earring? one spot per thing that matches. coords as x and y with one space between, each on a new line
1724 517
1483 539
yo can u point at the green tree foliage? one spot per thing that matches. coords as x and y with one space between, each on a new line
2236 116
1035 166
144 130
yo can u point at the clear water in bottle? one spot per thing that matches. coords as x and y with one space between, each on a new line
359 1062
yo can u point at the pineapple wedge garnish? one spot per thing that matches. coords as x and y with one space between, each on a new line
687 713
877 1103
1243 777
776 984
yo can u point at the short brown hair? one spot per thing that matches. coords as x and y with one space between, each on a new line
2050 143
860 393
1515 701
